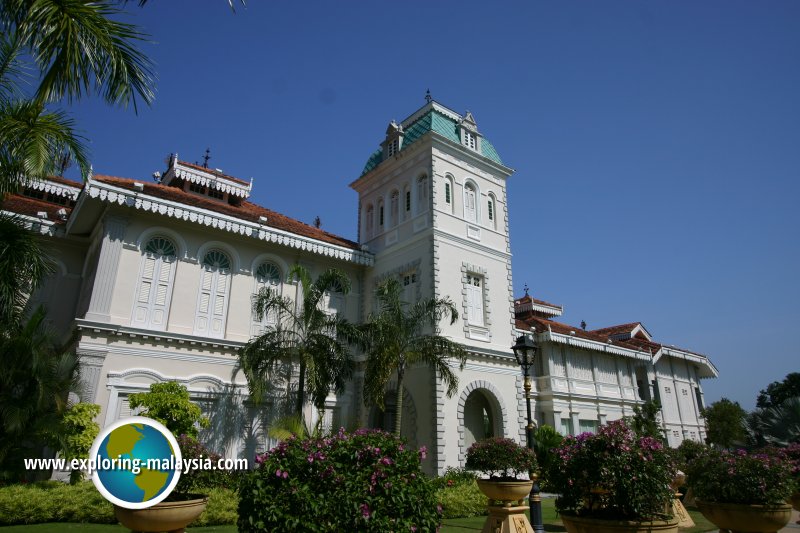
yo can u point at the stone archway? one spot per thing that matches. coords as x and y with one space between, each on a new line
385 419
481 414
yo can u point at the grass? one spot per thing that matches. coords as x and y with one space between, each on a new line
454 525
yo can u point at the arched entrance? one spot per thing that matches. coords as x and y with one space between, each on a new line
479 418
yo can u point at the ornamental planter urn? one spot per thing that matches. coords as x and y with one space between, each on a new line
743 518
165 516
509 516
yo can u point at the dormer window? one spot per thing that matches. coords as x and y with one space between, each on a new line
470 140
394 139
197 188
216 193
393 147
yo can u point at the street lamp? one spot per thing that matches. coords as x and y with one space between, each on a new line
525 352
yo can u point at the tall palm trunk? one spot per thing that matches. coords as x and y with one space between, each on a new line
398 407
301 388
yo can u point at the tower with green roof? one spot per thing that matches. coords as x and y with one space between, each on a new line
433 210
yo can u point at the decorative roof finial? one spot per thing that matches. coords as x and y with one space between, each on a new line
428 97
526 289
206 158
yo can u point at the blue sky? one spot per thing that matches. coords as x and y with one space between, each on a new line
655 143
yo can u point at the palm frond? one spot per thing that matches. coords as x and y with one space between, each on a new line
12 70
31 138
79 47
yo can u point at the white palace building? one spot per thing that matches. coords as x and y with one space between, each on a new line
155 282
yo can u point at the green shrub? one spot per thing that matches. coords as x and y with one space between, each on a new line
53 501
452 476
200 480
221 509
366 481
79 430
461 499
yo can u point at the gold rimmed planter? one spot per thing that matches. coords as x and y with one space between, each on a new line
509 516
576 524
165 516
743 518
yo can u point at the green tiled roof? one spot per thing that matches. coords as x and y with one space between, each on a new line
439 123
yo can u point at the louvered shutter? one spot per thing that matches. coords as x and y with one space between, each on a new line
469 205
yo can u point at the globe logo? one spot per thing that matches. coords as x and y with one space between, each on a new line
136 461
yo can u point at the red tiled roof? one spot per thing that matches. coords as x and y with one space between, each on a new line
246 210
214 172
16 203
65 181
636 343
616 330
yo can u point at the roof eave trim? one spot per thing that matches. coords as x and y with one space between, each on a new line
544 336
144 202
480 157
700 360
35 224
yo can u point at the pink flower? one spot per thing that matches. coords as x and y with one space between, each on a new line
365 511
423 452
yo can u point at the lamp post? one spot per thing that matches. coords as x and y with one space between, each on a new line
525 352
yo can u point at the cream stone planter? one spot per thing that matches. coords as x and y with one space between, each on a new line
743 518
165 516
575 524
509 517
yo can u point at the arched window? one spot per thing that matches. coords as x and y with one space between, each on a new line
268 276
448 192
333 301
422 194
491 211
406 202
212 302
154 287
370 224
381 216
394 205
470 203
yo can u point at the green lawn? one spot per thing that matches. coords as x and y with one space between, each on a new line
455 525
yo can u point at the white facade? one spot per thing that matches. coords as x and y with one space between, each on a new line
158 279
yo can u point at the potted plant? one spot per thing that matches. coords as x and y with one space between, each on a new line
169 404
742 492
613 481
507 467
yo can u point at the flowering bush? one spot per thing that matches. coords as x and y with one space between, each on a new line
793 456
502 459
739 477
201 477
365 481
612 475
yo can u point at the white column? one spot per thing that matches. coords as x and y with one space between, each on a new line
107 267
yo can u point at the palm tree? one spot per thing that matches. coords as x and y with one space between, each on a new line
73 48
778 425
402 335
305 335
23 266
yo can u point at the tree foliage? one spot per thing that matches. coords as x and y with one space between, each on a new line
169 403
36 378
403 334
725 423
779 391
65 50
79 430
644 421
304 335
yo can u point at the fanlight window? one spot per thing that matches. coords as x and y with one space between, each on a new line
154 287
268 275
212 302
